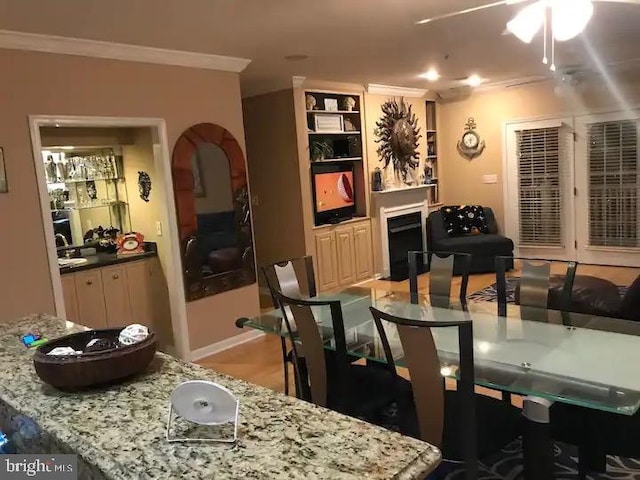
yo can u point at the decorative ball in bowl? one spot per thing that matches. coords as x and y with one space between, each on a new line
100 358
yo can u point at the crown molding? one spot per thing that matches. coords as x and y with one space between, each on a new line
377 89
297 81
118 51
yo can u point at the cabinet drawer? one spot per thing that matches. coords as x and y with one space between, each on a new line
116 296
91 307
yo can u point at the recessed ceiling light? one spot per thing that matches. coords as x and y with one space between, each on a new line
432 75
474 80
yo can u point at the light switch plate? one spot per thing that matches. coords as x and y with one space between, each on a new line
493 178
159 229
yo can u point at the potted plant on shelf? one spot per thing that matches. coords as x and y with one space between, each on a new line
320 150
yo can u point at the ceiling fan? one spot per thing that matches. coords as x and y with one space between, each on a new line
560 20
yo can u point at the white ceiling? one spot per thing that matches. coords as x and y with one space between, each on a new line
362 41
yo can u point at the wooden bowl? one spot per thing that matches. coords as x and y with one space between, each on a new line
77 372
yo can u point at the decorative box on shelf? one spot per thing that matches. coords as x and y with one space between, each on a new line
324 122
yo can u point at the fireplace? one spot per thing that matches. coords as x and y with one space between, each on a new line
401 209
405 234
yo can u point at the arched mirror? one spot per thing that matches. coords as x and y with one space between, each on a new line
214 219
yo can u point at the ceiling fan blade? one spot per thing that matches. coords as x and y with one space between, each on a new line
632 2
481 7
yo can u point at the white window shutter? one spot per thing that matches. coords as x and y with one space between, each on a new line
539 154
612 153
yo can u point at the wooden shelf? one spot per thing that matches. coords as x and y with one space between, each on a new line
405 189
335 133
342 159
432 156
431 131
333 111
112 179
346 222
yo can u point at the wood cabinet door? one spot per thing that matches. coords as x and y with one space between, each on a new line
116 296
326 261
92 312
140 292
363 251
346 256
70 297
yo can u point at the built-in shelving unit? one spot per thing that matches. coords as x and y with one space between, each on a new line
431 155
334 131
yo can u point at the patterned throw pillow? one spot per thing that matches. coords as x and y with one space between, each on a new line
464 220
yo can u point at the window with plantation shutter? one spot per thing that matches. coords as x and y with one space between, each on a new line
613 183
539 186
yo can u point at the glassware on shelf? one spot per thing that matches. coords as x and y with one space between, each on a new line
78 168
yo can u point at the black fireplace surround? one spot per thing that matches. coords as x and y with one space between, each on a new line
405 235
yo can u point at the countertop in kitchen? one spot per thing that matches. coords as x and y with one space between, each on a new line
118 432
105 259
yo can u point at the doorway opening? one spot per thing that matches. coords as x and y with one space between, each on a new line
110 224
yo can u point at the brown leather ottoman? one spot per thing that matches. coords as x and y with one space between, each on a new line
590 295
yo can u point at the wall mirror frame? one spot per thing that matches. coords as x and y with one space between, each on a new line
211 271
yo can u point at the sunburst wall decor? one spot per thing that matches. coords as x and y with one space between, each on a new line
397 134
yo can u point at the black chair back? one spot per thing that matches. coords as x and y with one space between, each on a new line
293 277
421 358
440 276
310 338
534 285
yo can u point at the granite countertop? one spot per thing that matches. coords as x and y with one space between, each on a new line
119 431
105 259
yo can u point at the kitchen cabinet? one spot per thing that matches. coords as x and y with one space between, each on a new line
92 311
117 295
70 297
343 255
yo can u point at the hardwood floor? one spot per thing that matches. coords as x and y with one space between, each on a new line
260 361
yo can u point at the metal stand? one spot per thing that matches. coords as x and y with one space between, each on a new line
537 444
187 439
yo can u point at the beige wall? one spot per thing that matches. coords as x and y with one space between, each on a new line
272 154
50 84
461 179
139 157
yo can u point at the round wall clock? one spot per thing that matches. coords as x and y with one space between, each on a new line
470 146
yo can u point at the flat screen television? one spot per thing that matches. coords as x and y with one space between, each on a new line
333 192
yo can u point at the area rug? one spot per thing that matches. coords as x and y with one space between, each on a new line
490 293
507 465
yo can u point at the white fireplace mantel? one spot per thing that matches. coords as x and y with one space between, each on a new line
393 203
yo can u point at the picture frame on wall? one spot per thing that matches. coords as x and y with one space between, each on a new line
198 186
4 187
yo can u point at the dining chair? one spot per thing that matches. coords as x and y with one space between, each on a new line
464 425
440 276
293 277
534 284
330 379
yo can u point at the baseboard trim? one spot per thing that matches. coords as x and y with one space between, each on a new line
221 346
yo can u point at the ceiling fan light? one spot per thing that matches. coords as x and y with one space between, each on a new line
527 22
570 18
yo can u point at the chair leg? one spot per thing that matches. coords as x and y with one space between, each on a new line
591 459
283 344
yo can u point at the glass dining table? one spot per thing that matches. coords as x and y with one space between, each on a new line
546 356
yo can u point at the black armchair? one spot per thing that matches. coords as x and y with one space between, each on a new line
483 247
